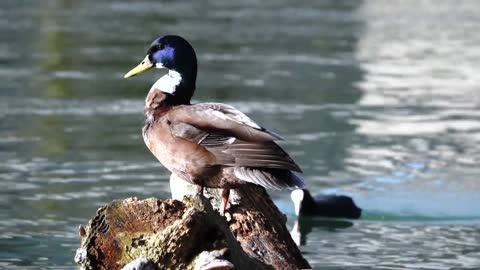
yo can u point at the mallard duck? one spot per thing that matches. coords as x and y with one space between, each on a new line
337 206
211 145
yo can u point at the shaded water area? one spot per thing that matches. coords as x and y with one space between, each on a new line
376 100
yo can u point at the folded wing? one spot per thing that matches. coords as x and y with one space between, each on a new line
237 141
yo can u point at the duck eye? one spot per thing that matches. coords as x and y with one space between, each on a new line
161 46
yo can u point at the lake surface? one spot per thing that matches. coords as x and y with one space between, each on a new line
376 100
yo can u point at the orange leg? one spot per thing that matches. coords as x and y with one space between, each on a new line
225 195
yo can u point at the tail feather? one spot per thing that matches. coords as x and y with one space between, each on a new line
276 179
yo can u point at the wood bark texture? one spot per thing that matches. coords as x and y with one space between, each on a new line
173 234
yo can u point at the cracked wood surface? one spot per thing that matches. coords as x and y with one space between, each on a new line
172 234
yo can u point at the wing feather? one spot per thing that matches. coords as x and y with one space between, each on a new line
237 141
222 118
272 179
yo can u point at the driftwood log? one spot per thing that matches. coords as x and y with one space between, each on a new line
190 234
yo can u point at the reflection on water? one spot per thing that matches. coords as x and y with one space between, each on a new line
377 101
304 225
396 246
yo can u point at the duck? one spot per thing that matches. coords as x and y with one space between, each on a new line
325 205
210 144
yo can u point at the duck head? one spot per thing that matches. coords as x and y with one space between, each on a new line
300 198
337 206
178 56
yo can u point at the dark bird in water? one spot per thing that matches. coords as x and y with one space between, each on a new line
338 206
211 145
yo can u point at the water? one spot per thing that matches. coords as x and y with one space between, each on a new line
379 101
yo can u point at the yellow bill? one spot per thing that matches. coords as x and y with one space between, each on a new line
145 65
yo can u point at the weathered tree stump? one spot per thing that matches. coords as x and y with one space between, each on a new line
190 234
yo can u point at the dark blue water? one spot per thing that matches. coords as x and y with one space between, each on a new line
377 100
